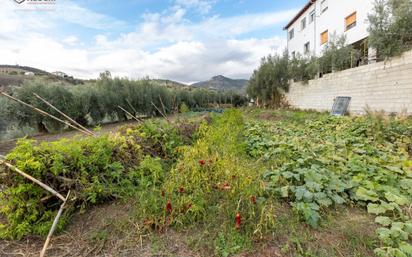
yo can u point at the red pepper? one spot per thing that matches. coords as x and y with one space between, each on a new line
253 199
202 162
163 193
226 186
169 207
181 189
238 220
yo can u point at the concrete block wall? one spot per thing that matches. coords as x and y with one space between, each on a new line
383 86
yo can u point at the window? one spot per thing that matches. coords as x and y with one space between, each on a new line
324 37
350 21
306 48
303 24
291 33
312 16
324 6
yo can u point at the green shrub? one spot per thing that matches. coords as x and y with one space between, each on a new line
85 166
95 169
184 108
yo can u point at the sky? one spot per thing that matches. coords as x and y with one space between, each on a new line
182 40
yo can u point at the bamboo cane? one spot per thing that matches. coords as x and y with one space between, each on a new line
51 190
163 106
43 112
53 228
164 116
131 106
64 115
134 117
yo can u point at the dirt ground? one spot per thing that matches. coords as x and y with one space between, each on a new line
109 230
7 145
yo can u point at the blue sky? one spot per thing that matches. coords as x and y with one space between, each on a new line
183 40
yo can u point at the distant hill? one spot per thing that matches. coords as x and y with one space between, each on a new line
223 83
169 83
16 75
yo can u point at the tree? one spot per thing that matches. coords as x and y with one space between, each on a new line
271 80
390 27
337 55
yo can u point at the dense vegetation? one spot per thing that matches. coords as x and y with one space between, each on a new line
227 176
328 161
391 27
96 103
95 169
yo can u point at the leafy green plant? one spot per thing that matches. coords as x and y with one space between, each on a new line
96 170
332 161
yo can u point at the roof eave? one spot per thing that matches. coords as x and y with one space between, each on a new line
303 10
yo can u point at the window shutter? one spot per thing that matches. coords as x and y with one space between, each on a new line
350 20
324 37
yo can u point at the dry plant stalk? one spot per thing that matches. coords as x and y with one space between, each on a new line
128 113
64 115
46 187
43 112
164 116
53 227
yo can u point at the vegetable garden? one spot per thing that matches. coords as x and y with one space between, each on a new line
232 179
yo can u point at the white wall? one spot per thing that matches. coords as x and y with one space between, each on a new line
380 86
332 20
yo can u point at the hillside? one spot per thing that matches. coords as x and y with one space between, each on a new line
15 75
223 83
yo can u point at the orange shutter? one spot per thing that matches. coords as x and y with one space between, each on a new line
351 19
324 37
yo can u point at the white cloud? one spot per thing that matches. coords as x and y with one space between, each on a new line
164 45
202 6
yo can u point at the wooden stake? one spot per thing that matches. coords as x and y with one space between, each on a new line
131 106
53 228
163 106
64 115
42 112
51 190
164 116
134 117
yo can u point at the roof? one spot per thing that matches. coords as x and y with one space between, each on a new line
302 11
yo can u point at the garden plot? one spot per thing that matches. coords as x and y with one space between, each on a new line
303 184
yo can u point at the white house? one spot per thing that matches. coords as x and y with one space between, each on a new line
60 74
318 20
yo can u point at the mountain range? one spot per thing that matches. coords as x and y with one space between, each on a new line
223 83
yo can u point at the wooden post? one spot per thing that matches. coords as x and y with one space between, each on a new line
64 115
43 112
53 227
131 106
46 187
164 116
134 117
163 106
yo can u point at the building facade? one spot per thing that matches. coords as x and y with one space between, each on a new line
319 20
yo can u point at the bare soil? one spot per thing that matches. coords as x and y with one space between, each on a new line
109 230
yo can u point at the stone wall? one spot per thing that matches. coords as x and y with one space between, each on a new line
381 86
